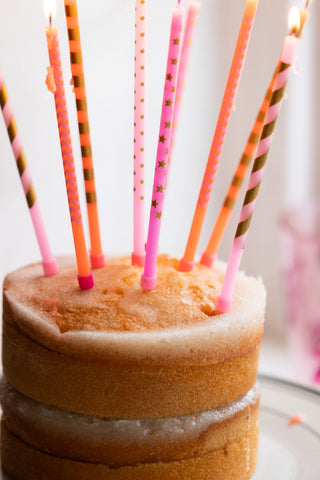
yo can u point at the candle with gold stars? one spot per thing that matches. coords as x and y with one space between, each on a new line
148 279
138 253
189 31
79 88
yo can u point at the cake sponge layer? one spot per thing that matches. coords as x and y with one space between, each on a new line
237 461
117 351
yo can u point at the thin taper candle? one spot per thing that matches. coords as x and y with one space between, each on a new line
84 274
96 255
138 253
188 36
187 262
220 226
148 279
287 57
49 263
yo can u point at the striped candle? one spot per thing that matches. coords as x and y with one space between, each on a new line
210 253
49 263
187 262
138 253
71 11
148 279
84 275
287 57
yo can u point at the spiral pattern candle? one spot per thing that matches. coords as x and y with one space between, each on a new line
210 253
49 263
287 57
71 10
148 280
187 262
84 275
139 130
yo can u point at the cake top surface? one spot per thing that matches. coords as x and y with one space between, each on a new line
54 311
117 302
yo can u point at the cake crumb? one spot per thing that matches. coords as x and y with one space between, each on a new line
297 419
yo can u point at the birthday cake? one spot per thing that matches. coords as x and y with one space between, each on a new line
121 383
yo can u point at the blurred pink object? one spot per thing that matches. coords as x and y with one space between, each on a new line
300 255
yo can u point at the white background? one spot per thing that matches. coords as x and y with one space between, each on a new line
107 29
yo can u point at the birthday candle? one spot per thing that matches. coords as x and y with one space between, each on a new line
210 253
287 57
148 279
79 88
139 134
84 275
189 31
49 263
187 262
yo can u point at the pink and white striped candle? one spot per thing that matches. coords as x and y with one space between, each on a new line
138 253
49 263
148 279
287 58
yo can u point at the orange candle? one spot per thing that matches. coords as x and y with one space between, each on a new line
187 262
56 85
96 254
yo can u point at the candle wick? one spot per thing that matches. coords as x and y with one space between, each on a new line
50 19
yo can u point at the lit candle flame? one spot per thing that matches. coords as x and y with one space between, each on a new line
49 7
294 20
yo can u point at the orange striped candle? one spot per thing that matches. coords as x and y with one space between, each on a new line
187 262
56 85
220 226
71 11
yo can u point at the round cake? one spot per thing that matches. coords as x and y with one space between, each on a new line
120 383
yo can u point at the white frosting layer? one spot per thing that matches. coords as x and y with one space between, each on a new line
118 432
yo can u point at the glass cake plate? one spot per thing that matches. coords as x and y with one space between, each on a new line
285 452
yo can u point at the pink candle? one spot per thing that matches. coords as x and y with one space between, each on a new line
84 274
139 131
187 262
192 17
148 279
287 57
49 263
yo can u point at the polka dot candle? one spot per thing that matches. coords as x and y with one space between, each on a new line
139 134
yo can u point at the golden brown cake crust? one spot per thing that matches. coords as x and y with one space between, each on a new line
117 302
171 324
236 460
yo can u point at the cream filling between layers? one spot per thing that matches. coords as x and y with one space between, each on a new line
24 416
